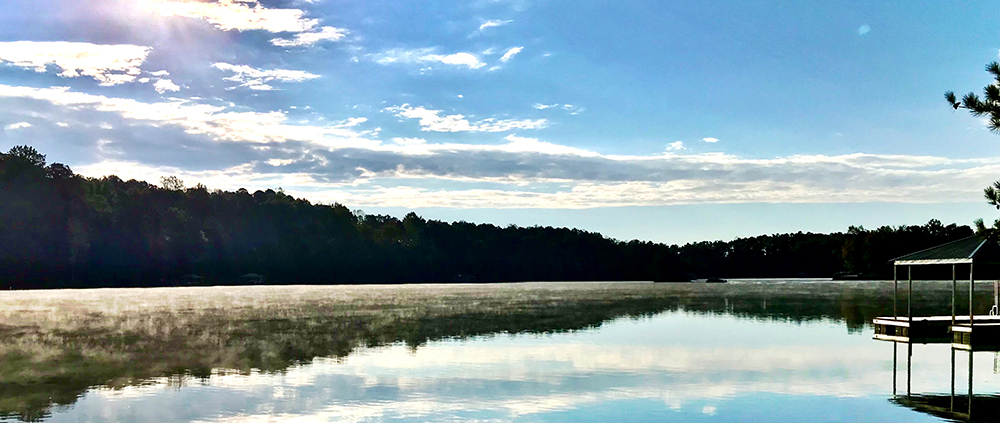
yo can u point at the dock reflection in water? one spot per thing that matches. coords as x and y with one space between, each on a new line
956 405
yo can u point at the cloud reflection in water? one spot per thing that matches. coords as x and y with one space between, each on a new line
673 366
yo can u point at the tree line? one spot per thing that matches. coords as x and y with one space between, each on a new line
62 230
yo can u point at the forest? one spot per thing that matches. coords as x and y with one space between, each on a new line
62 230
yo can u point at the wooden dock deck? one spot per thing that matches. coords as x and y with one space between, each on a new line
938 329
978 337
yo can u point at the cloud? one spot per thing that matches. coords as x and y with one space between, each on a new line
18 125
245 15
355 121
426 55
108 64
240 15
218 123
513 51
327 33
710 139
432 121
409 141
493 23
458 59
675 146
864 29
258 79
573 110
163 85
340 162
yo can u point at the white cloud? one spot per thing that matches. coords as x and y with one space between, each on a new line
710 139
431 120
513 51
458 59
533 145
108 64
163 85
338 162
573 110
354 121
241 15
492 23
160 73
216 122
864 29
18 125
327 33
409 141
426 55
258 79
244 15
676 146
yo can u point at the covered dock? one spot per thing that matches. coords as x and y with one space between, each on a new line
966 331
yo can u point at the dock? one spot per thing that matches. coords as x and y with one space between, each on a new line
978 337
966 332
932 329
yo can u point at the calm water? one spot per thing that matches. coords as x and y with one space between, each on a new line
674 365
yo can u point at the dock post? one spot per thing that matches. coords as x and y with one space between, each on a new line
894 355
909 357
952 406
909 299
970 383
954 292
972 288
895 291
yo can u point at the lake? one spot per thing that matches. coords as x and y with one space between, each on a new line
773 350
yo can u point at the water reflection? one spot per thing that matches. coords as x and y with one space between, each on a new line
661 368
560 352
956 406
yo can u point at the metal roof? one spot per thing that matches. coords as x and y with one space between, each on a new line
975 248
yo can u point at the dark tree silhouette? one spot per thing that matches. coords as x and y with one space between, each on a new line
58 229
988 105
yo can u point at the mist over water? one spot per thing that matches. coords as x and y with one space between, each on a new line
744 351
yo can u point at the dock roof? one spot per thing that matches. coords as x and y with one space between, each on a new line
976 248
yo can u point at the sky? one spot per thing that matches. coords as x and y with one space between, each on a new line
655 120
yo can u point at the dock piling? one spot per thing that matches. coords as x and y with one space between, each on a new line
909 294
954 291
972 287
952 406
895 290
909 358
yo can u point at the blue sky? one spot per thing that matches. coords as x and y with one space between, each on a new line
666 121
